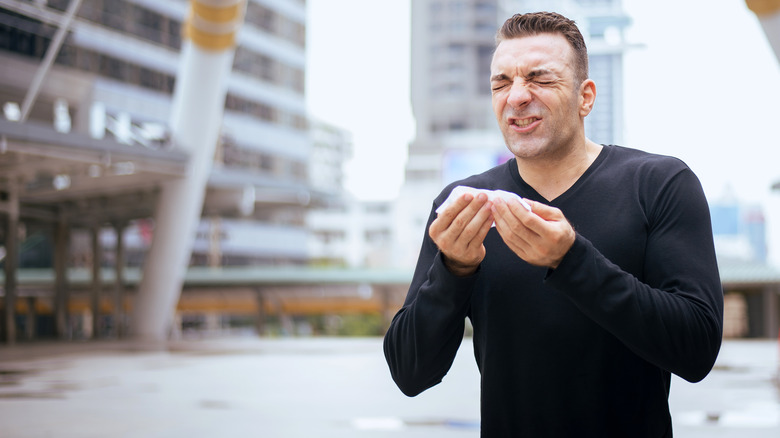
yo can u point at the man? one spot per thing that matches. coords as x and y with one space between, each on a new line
584 305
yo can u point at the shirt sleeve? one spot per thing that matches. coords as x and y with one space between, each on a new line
673 318
425 334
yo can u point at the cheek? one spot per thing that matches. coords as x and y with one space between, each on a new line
498 105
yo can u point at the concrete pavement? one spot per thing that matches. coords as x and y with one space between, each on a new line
324 387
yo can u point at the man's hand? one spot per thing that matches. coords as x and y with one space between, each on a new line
459 231
541 237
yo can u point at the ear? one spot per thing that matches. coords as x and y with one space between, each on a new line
587 96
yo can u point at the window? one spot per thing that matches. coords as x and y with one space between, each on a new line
266 162
456 50
256 109
375 236
377 208
261 17
276 24
130 18
111 67
87 60
269 69
23 35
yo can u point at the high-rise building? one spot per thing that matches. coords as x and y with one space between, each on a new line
739 231
115 74
452 46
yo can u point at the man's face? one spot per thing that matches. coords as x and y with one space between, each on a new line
536 98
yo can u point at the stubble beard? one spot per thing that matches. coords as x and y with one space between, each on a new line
531 147
539 145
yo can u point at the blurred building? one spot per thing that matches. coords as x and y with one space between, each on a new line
113 77
331 148
751 285
739 231
355 234
457 135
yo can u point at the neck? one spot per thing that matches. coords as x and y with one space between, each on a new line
552 176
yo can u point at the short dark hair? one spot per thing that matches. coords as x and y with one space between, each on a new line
535 23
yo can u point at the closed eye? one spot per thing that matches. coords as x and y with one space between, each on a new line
541 77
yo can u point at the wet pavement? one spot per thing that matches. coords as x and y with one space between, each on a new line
324 387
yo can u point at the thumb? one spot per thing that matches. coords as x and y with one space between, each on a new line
544 211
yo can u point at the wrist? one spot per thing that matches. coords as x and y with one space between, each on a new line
458 269
554 265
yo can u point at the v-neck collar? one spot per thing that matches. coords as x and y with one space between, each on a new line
534 195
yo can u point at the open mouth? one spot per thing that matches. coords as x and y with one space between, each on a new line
524 123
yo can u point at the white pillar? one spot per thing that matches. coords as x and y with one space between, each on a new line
96 291
768 13
11 260
198 102
119 280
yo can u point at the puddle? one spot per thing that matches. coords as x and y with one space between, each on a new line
214 404
393 423
731 368
752 417
12 377
384 423
37 395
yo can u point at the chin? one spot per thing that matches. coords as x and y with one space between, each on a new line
526 151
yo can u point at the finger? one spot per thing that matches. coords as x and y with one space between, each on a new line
444 219
446 229
457 206
545 211
467 214
476 230
511 212
514 232
538 240
537 221
464 245
519 210
486 226
547 224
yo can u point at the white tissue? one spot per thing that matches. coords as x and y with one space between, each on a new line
491 194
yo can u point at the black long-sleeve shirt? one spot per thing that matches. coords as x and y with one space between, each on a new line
585 350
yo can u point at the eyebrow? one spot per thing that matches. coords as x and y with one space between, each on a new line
539 72
499 77
532 74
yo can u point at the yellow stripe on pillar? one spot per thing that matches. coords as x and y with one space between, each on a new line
208 40
763 7
218 14
212 25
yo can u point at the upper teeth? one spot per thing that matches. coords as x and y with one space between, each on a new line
524 122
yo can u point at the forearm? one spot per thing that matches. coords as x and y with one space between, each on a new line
676 326
425 334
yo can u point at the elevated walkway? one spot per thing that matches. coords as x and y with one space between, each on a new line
260 292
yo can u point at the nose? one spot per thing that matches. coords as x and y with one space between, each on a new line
518 94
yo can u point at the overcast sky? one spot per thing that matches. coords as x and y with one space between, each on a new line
704 86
